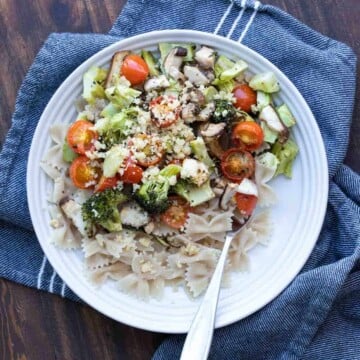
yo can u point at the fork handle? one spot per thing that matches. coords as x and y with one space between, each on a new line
198 339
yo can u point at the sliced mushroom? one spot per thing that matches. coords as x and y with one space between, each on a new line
206 112
212 130
195 75
173 62
205 57
227 195
159 82
197 97
72 210
115 67
269 115
212 142
189 112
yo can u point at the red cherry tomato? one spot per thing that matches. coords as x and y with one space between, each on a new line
135 69
176 215
237 164
81 136
245 97
246 203
132 174
106 183
247 135
164 111
83 174
153 150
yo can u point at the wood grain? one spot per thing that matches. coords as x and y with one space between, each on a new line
38 325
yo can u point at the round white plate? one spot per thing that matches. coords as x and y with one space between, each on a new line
297 217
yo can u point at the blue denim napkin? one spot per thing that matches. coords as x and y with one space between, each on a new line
318 315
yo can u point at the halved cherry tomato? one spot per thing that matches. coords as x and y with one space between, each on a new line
135 69
247 135
246 203
81 136
245 97
164 111
83 174
237 164
151 147
106 183
176 215
132 174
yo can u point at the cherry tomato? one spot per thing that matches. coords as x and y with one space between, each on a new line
176 215
247 135
106 183
132 174
164 111
135 69
245 97
83 174
81 136
246 203
237 164
151 148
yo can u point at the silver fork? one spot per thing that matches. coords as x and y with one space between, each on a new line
199 337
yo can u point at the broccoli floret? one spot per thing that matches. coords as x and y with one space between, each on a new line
224 112
102 209
153 196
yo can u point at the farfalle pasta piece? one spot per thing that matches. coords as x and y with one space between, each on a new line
198 227
243 241
264 171
115 271
262 225
64 234
146 279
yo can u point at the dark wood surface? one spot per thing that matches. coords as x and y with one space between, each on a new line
37 325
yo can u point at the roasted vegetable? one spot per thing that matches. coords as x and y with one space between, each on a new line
102 209
153 196
224 112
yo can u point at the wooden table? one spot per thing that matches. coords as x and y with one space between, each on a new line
38 325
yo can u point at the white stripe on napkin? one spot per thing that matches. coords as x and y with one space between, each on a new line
51 286
41 271
63 289
226 13
257 4
243 4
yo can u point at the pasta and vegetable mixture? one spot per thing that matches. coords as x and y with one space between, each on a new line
169 150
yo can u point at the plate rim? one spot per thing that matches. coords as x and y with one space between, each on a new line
44 243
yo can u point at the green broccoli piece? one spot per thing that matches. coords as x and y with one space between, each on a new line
153 196
196 195
102 209
224 112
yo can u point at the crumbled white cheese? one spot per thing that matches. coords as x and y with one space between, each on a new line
146 267
190 249
54 223
195 171
247 187
145 241
132 214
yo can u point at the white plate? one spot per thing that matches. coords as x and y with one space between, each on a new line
297 217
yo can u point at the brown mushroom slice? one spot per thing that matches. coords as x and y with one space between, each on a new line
227 195
211 134
195 75
205 57
173 62
115 66
212 130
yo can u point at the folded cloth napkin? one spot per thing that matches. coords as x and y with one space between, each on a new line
318 315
